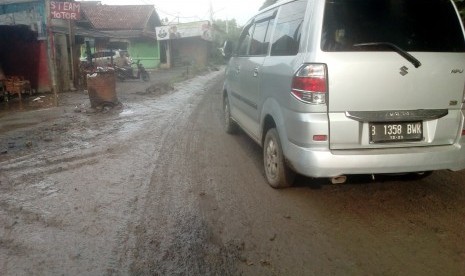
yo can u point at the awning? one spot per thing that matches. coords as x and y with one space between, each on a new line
79 31
104 34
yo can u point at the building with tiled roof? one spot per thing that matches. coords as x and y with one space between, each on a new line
128 17
127 27
142 19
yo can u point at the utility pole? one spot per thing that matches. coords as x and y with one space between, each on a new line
211 12
212 29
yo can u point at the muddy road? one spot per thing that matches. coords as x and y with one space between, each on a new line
157 188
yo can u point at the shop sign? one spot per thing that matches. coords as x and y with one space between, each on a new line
65 10
200 29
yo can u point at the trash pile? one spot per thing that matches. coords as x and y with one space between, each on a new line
94 73
101 87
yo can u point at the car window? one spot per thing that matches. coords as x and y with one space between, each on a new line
257 44
244 41
412 25
261 33
268 34
286 38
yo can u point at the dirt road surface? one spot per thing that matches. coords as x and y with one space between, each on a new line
157 188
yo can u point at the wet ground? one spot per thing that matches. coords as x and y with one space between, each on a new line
157 188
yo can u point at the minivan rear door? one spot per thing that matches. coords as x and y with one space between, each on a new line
251 53
251 67
395 72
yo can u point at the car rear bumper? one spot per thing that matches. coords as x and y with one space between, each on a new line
326 163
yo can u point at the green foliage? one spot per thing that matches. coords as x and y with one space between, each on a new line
226 30
223 30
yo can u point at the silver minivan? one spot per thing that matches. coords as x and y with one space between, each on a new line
336 87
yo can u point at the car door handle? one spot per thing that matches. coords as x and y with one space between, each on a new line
238 69
255 72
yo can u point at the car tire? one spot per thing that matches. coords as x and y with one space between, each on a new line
228 123
277 173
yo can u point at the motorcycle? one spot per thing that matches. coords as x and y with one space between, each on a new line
124 73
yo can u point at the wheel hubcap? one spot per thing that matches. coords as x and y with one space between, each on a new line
271 159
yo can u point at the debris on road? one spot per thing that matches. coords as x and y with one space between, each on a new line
157 89
38 98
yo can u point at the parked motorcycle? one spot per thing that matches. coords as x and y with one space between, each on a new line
124 73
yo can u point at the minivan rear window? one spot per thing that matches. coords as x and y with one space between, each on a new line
412 25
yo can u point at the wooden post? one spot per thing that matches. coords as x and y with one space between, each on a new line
51 51
168 53
71 42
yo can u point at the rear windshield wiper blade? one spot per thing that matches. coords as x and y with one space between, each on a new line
394 47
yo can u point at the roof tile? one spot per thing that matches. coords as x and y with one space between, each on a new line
126 17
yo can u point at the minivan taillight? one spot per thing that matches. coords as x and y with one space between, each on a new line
309 84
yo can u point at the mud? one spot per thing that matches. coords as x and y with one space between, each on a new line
157 188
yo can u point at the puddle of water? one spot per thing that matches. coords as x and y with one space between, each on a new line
127 112
16 126
27 103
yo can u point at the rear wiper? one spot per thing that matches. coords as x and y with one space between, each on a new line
394 47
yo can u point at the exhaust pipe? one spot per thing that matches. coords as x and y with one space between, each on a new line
341 179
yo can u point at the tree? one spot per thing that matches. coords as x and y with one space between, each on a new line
224 30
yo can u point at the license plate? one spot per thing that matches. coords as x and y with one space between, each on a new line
396 132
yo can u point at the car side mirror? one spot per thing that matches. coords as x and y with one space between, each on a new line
227 50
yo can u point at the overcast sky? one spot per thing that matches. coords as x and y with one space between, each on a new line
194 10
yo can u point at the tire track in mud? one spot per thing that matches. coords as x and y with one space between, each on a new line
173 234
51 161
102 210
124 241
128 239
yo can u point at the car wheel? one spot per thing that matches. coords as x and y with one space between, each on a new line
278 174
228 123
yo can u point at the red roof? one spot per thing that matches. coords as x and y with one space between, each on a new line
128 17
